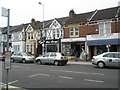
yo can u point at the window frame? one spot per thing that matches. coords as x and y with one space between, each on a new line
103 29
74 31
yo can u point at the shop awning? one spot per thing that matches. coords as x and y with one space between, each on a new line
104 42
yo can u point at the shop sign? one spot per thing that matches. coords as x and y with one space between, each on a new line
103 36
48 42
73 39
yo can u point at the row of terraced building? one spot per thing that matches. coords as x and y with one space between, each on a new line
94 32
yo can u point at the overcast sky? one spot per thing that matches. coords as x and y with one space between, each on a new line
22 11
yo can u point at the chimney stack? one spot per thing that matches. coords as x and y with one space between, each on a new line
33 21
71 14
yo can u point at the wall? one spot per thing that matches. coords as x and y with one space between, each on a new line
83 30
88 29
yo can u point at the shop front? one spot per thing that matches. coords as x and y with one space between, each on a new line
100 43
73 46
52 45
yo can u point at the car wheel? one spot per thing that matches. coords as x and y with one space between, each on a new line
101 64
56 63
12 60
23 61
39 62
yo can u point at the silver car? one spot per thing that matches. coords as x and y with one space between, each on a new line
22 57
107 59
55 58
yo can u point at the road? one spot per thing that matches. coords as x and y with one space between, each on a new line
31 76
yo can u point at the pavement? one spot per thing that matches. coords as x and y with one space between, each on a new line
80 62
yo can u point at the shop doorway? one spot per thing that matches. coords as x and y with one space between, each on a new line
77 49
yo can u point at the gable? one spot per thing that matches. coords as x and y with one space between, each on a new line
29 28
55 24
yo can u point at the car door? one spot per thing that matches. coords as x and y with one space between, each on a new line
44 59
19 57
14 56
117 59
110 59
52 57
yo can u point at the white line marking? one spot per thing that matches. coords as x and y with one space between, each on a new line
65 77
78 72
94 80
20 67
39 75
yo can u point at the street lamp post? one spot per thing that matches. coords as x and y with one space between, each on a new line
43 28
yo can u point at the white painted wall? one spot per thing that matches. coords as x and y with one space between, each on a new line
21 44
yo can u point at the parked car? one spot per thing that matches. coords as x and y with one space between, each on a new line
2 57
107 59
55 58
22 57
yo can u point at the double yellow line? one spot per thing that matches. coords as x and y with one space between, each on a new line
3 84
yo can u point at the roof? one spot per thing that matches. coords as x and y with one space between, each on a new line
79 18
14 28
108 13
37 25
60 20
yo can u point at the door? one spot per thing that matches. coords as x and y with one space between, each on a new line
44 59
52 58
112 59
19 57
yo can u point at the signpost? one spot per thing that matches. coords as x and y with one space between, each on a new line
6 13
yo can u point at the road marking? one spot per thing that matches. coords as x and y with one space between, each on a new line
13 82
10 86
65 77
39 75
20 67
79 72
94 80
